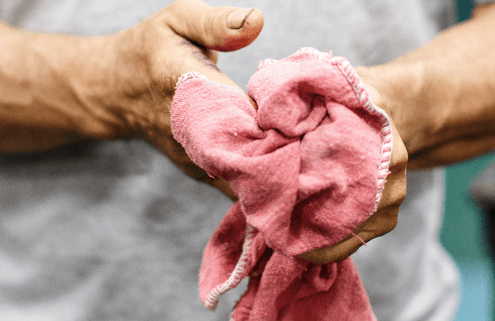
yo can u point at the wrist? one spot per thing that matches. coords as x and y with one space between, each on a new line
400 91
140 95
115 86
75 85
58 89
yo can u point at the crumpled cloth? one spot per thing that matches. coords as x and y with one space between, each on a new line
308 166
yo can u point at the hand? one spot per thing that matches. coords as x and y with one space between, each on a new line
180 38
385 218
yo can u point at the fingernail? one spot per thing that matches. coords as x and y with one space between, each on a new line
237 18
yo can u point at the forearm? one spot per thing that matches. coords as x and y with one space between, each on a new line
58 89
442 96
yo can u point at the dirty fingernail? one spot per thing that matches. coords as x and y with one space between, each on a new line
238 17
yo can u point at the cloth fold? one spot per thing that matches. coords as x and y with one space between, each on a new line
308 166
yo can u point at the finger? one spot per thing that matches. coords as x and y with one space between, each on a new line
222 28
337 252
199 59
376 225
381 222
212 55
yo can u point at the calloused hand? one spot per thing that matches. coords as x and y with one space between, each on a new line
182 37
385 218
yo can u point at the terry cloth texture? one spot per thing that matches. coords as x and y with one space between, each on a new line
308 166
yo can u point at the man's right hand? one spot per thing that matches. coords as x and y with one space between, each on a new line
60 89
184 37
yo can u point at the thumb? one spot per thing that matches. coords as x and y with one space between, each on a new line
222 28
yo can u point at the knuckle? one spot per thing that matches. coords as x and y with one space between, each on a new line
400 197
211 32
174 6
316 256
391 223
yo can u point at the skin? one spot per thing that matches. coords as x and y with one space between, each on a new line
441 99
385 218
57 90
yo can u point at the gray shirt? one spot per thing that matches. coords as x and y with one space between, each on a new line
113 231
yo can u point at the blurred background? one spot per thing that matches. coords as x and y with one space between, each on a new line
465 232
465 235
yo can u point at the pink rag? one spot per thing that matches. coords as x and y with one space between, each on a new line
308 166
